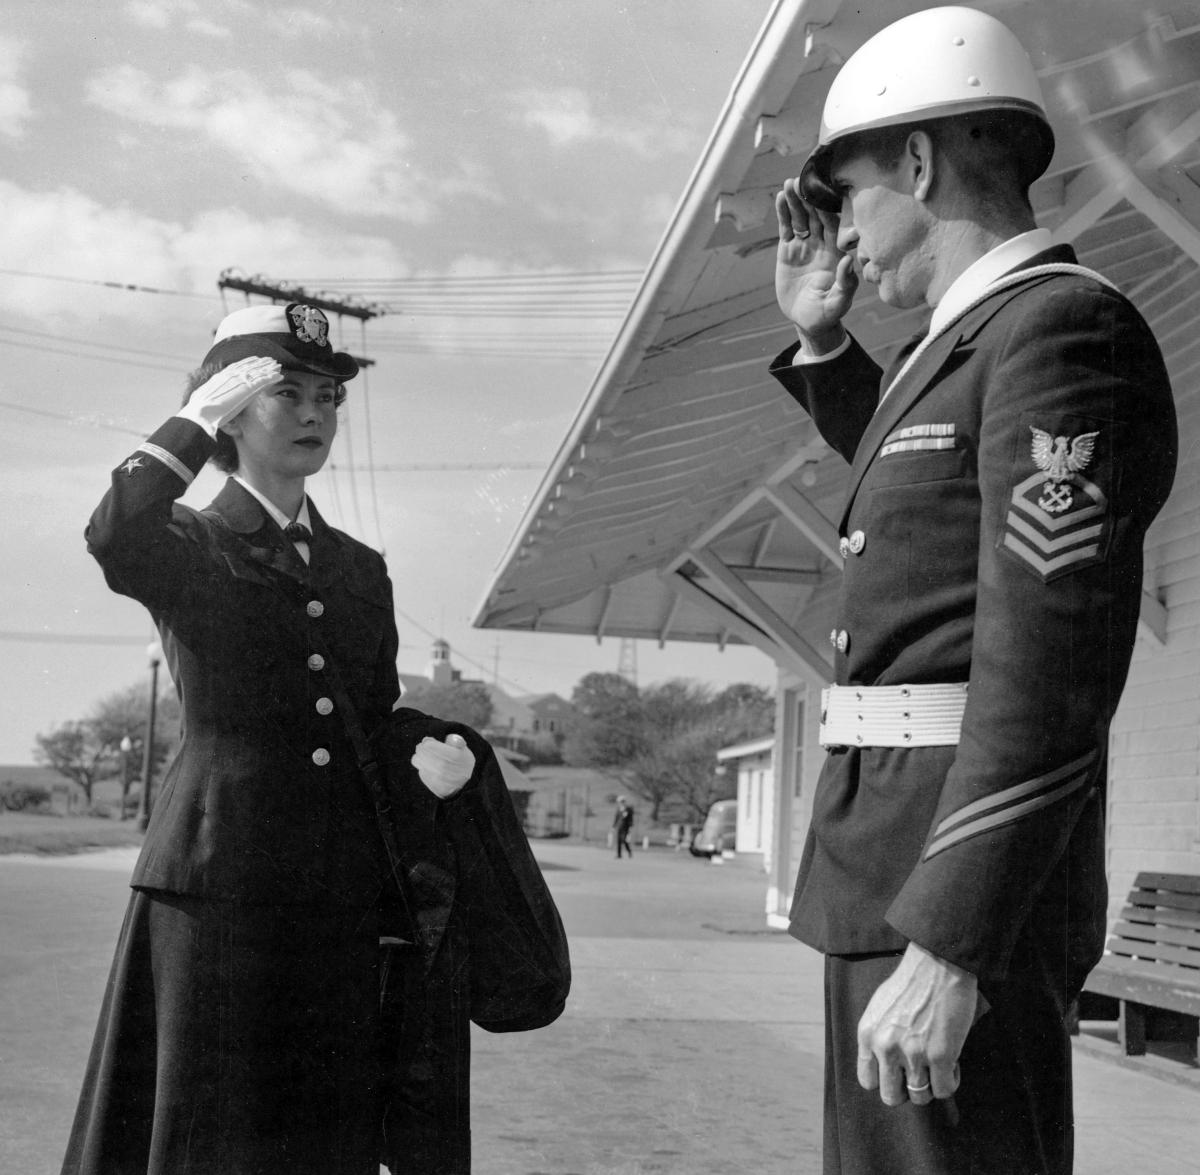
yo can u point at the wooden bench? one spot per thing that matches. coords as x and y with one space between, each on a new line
1151 965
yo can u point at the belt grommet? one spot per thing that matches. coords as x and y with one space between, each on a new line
858 694
859 737
904 691
906 715
907 735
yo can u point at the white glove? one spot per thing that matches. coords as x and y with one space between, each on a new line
225 394
444 767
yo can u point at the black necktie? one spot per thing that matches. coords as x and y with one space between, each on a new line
297 532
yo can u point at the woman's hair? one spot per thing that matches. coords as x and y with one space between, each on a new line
226 457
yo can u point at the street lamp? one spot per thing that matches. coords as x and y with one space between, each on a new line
126 747
154 653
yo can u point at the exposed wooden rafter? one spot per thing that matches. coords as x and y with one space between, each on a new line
794 650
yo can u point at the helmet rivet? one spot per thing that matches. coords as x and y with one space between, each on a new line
958 41
882 89
972 80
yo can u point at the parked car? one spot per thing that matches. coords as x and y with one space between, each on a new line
719 831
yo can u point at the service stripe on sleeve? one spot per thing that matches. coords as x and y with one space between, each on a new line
172 462
1011 804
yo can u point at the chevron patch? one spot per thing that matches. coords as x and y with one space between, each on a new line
1011 804
1052 543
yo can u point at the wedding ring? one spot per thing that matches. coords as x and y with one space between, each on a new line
917 1088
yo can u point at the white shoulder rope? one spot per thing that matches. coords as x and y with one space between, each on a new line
1011 279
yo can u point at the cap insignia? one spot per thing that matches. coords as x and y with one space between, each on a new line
309 324
132 464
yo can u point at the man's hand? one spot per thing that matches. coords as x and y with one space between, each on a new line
815 281
444 767
911 1035
220 398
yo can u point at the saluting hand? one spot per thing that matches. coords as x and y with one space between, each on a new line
815 281
444 767
220 398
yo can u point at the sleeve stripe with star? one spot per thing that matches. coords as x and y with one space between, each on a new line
169 460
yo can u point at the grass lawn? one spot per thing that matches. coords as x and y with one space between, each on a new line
24 833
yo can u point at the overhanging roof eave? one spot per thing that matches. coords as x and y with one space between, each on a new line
721 165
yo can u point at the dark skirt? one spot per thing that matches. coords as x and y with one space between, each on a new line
248 1040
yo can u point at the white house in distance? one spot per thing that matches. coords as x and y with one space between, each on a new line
691 500
753 762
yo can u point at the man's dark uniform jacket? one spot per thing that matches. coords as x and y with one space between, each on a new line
998 502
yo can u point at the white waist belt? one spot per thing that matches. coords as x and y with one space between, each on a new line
892 715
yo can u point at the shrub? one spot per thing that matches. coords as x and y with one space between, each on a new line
24 797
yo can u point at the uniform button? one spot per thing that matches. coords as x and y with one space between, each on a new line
316 662
324 706
320 756
833 634
857 541
315 608
844 547
843 641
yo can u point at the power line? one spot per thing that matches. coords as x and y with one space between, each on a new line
451 467
84 421
76 638
129 287
41 334
125 361
531 277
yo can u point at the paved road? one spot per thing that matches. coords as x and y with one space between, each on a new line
692 1042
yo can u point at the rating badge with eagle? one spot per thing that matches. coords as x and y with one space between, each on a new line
1060 458
1056 518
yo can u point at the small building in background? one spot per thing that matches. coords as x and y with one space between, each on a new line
754 763
531 725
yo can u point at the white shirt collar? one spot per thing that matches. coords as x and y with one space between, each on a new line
981 273
278 515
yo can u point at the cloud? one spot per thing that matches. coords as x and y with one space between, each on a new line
567 118
161 14
15 106
332 144
65 232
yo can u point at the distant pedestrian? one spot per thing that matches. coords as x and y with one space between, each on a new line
622 823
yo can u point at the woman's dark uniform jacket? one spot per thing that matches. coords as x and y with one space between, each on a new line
966 562
246 810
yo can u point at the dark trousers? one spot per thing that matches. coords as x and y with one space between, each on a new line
623 842
1011 1115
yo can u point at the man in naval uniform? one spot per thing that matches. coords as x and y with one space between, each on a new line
1004 470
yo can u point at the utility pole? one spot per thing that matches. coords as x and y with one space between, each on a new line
264 288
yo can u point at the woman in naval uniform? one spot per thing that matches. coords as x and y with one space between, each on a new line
239 1033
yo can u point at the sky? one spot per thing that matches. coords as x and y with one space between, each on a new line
156 144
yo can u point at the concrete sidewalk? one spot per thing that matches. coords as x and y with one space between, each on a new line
692 1042
700 1049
